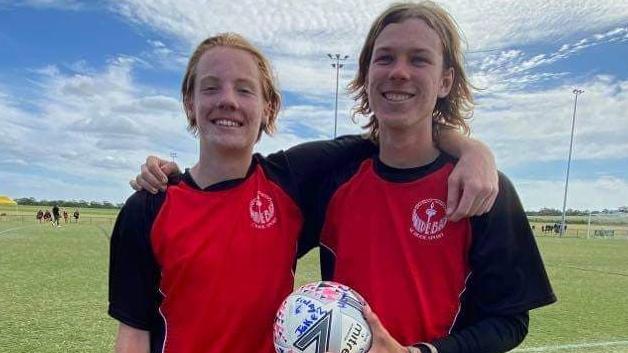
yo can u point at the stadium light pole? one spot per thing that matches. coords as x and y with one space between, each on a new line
337 65
576 92
173 155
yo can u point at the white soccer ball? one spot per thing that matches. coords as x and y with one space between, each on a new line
322 317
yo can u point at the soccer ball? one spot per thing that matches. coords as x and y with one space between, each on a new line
322 317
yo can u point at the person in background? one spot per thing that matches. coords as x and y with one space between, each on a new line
56 216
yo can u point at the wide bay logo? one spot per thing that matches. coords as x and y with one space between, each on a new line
429 218
262 211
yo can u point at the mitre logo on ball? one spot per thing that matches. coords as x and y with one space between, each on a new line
322 317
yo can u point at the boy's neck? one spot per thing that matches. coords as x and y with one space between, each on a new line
407 148
217 166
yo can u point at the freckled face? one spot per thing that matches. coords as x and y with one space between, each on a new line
228 102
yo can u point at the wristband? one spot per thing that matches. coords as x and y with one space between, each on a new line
429 346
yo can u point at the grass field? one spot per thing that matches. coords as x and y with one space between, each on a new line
53 291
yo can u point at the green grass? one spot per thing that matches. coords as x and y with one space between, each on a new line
53 291
590 278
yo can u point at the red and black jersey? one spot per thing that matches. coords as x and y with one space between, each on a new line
205 270
384 232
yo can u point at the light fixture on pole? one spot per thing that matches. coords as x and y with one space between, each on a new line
337 65
573 124
173 155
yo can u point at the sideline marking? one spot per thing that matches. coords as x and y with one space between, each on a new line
589 270
103 231
571 346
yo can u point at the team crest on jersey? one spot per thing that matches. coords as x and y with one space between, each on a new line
262 211
429 218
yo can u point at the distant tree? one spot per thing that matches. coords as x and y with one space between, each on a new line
26 201
31 201
549 212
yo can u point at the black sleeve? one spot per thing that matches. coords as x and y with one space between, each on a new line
133 271
508 275
313 160
507 279
309 163
494 334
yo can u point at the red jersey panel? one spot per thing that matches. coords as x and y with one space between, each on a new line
226 259
393 244
205 270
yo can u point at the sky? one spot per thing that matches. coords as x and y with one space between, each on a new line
88 89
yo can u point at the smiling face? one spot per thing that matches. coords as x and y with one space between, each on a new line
406 75
227 101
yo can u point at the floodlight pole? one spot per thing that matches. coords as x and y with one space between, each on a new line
173 155
337 65
589 225
576 92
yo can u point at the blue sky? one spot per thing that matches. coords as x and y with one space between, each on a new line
88 89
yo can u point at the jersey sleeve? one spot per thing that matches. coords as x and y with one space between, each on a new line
312 160
133 271
507 279
507 272
309 164
491 335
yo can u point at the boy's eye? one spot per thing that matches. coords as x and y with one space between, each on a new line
418 60
383 59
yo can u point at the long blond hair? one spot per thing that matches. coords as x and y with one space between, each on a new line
450 111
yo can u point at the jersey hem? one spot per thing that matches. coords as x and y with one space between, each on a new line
128 320
531 305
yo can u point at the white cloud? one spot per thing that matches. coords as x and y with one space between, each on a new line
18 184
93 127
603 192
535 126
97 126
300 27
296 35
512 70
161 56
281 26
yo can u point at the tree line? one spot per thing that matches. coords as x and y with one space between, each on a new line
572 212
31 201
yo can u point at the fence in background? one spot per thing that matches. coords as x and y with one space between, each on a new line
596 231
23 219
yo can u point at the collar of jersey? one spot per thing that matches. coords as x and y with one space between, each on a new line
406 175
223 185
